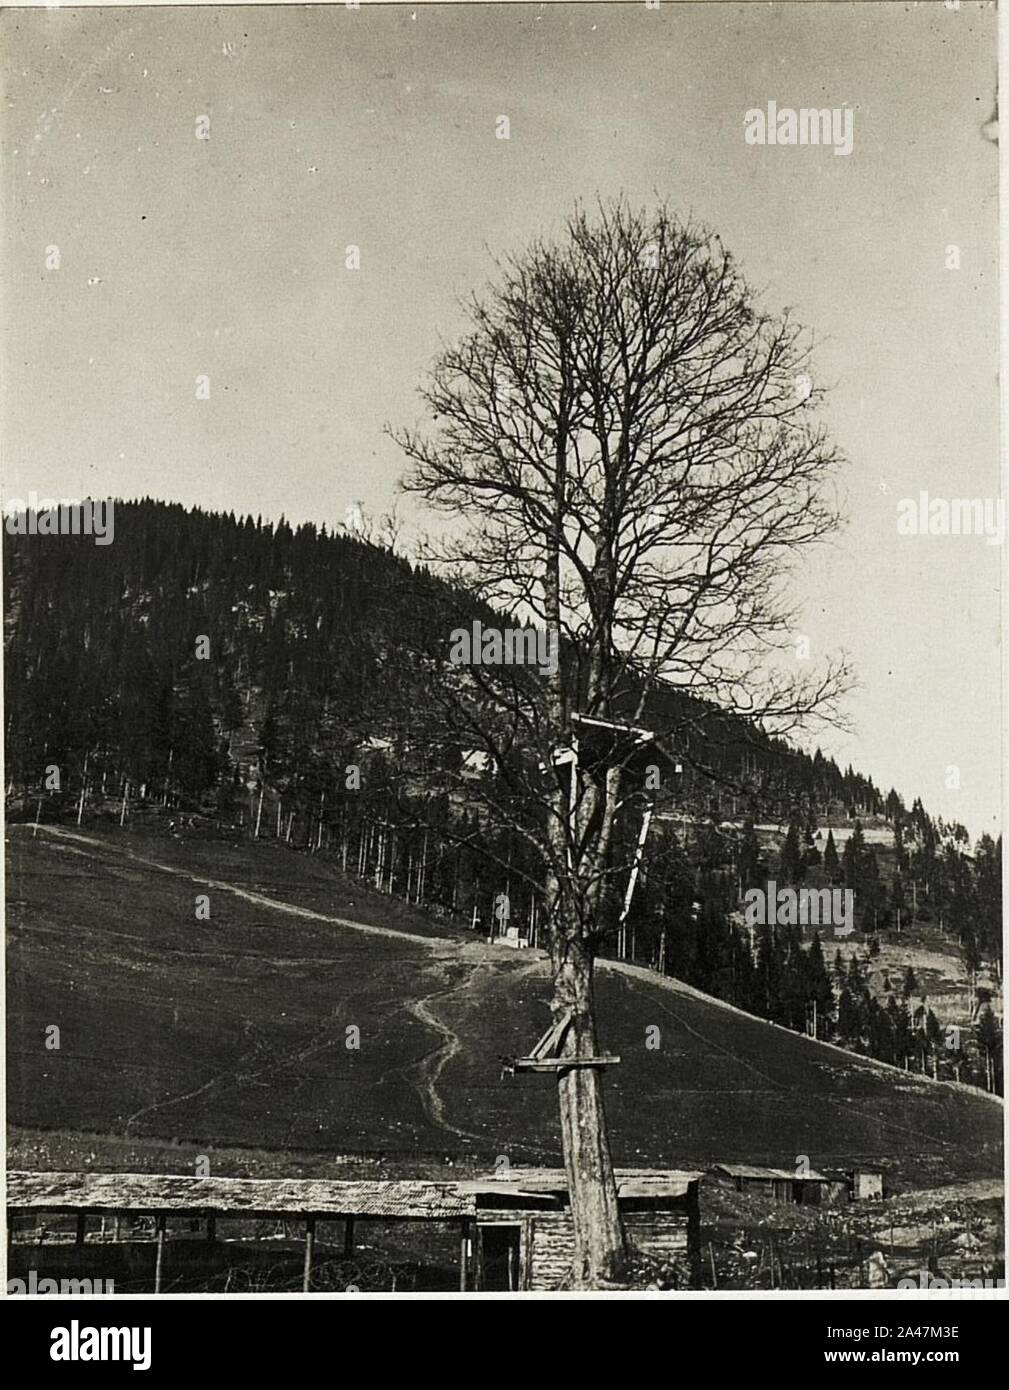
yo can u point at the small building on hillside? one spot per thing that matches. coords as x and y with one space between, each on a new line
866 1185
780 1184
511 936
827 1189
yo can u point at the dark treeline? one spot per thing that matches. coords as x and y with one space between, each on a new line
300 631
688 921
267 678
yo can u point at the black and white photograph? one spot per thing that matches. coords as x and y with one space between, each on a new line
504 654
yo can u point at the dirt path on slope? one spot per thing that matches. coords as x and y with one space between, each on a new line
423 1074
259 899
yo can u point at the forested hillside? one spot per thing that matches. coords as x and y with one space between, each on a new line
302 629
265 681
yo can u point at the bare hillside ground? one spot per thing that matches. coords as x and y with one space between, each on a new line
231 1035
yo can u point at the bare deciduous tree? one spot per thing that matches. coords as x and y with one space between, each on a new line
628 449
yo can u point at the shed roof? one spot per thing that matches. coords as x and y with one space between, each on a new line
752 1170
553 1182
267 1197
246 1196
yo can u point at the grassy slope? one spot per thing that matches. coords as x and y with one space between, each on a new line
232 1033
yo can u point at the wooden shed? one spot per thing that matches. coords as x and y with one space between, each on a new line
525 1237
866 1185
780 1184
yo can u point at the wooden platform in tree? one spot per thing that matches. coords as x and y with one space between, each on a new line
546 1057
561 1063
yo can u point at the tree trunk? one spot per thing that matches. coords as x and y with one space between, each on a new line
600 1247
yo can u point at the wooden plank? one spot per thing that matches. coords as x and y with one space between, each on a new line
652 1190
562 1063
553 1037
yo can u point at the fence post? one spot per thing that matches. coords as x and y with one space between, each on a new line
159 1258
309 1249
464 1256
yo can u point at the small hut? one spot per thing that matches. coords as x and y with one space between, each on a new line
778 1184
866 1184
525 1236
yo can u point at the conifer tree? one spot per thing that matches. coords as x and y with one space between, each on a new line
790 866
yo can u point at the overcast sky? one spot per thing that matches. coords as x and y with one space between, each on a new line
181 257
